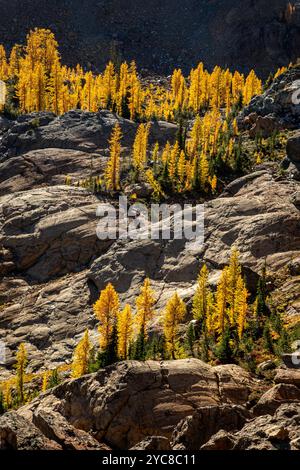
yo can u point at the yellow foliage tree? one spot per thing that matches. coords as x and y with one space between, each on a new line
7 398
157 192
45 381
55 85
201 294
140 145
204 171
14 60
221 305
106 310
81 357
214 183
112 173
181 169
166 154
253 86
145 307
125 331
4 68
22 361
155 154
174 314
196 137
241 306
42 47
234 274
173 160
178 90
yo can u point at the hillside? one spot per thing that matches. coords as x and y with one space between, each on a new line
127 341
162 35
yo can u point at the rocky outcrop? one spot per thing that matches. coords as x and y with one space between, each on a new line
76 130
293 148
278 432
277 108
197 429
50 232
257 214
17 433
288 376
55 427
182 405
48 167
275 397
47 431
157 443
263 126
250 219
129 402
49 318
291 164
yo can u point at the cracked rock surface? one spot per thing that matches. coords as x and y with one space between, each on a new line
180 405
130 401
48 234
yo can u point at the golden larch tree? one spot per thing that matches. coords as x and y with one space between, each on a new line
253 86
113 168
145 307
125 331
157 191
155 154
174 314
4 67
200 297
140 145
221 304
22 361
45 381
214 183
14 60
196 136
172 163
55 84
203 171
181 169
81 357
106 310
241 306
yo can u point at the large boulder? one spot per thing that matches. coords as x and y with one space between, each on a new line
263 126
131 401
150 405
54 426
48 231
293 148
50 318
17 433
48 167
275 397
288 376
45 429
75 130
278 432
194 431
278 105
